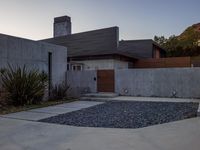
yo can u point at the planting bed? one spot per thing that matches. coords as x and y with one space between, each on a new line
125 114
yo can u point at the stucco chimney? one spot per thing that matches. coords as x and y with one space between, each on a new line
62 26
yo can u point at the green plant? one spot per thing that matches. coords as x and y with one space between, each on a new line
59 91
22 85
2 99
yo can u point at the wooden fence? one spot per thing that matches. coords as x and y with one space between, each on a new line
173 62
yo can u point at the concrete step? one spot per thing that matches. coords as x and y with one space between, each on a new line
101 95
98 99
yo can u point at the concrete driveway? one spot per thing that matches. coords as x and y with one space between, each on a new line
27 134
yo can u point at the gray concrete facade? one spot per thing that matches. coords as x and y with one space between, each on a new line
166 82
18 52
81 82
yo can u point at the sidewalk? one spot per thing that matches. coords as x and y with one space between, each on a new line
46 112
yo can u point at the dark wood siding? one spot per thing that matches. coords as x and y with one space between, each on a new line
103 41
163 62
137 48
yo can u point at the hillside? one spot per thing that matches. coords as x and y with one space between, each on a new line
191 34
185 44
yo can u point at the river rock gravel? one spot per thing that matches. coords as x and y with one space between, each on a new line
126 114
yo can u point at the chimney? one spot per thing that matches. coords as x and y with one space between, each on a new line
62 26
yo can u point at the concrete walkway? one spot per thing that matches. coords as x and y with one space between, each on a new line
21 131
41 113
152 99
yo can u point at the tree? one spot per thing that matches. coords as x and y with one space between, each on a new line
178 46
160 40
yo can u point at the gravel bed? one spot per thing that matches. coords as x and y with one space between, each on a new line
126 114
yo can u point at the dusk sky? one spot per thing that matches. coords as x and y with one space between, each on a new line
137 19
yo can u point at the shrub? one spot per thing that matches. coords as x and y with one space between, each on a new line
2 99
22 85
59 91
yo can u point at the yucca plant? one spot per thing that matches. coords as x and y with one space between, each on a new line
2 99
22 85
59 91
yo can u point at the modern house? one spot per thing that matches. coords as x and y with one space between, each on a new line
97 61
101 49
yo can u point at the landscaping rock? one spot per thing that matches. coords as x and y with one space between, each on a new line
127 114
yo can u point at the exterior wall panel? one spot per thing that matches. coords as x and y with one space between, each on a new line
97 42
166 82
81 82
18 52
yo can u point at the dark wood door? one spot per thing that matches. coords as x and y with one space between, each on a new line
105 81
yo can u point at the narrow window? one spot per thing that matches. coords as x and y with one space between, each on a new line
50 70
68 67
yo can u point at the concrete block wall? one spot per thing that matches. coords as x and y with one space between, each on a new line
166 82
81 82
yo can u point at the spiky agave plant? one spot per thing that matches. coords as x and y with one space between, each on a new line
24 86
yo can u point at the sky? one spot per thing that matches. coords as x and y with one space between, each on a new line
136 19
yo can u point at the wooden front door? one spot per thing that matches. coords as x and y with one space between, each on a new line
105 81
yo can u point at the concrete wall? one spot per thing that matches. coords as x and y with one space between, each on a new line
103 64
168 82
185 82
19 52
120 64
81 82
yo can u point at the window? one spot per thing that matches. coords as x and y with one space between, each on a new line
75 67
68 67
